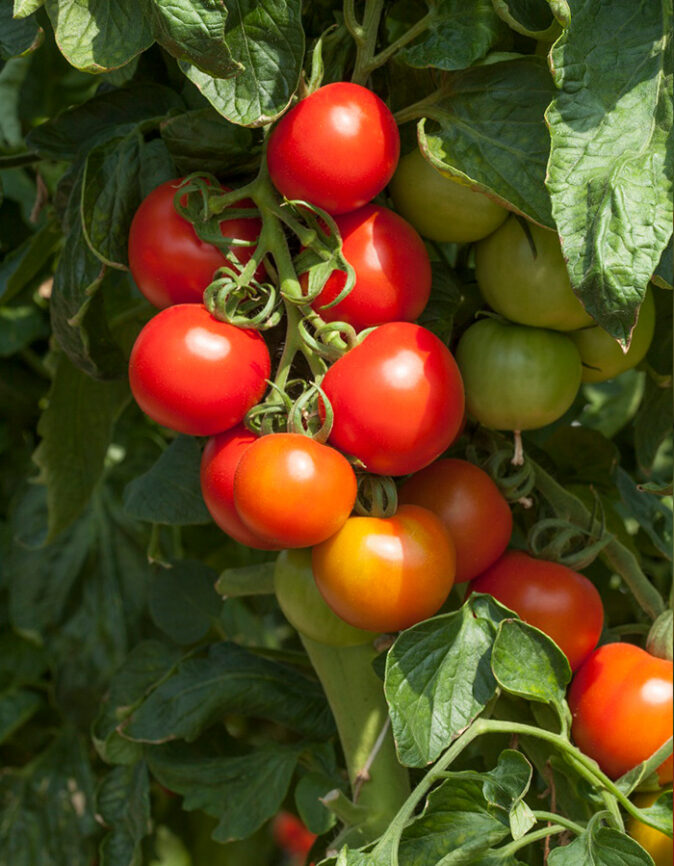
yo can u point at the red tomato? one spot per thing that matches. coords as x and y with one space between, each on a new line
168 260
218 464
621 700
291 834
195 374
470 505
292 491
393 271
336 149
386 573
397 399
550 596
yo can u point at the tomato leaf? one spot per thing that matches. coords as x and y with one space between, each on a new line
19 327
438 678
644 771
17 36
99 35
25 262
653 423
170 491
255 579
202 140
194 30
24 8
183 601
659 815
489 131
255 784
268 40
308 793
600 846
505 788
17 706
664 273
610 172
653 515
532 18
123 802
458 34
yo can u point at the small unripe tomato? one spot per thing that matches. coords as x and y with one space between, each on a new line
557 600
386 573
168 261
658 845
441 207
304 606
219 463
192 373
292 491
621 701
471 507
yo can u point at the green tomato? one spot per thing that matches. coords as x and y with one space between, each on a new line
524 278
439 207
601 355
517 378
303 605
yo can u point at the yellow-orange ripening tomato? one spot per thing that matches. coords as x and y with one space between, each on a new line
658 845
470 505
386 573
440 207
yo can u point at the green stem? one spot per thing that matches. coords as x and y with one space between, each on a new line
419 109
356 698
365 37
18 159
530 838
409 36
567 823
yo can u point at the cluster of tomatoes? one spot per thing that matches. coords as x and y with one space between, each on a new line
397 403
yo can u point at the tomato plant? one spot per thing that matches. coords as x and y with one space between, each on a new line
336 148
658 845
441 207
397 399
194 374
169 262
393 272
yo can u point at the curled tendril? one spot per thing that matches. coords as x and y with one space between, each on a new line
329 340
514 482
271 416
558 539
251 305
311 414
377 496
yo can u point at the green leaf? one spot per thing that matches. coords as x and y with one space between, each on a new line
664 273
170 491
489 131
76 431
445 300
438 679
99 35
659 815
266 37
612 405
505 788
308 793
229 680
653 423
242 792
24 8
610 174
582 455
600 846
194 30
248 580
183 601
21 662
123 803
202 140
532 18
22 264
646 772
17 36
527 663
17 706
19 327
458 34
653 515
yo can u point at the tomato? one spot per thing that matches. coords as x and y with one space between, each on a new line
658 845
601 355
291 834
621 700
304 607
195 374
517 378
471 507
336 149
558 601
397 399
218 464
292 491
393 271
386 573
524 277
168 261
440 207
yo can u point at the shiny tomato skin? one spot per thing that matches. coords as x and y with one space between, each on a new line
440 207
218 464
194 374
621 702
470 506
397 399
522 275
517 377
292 491
337 148
168 261
393 271
386 574
558 601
